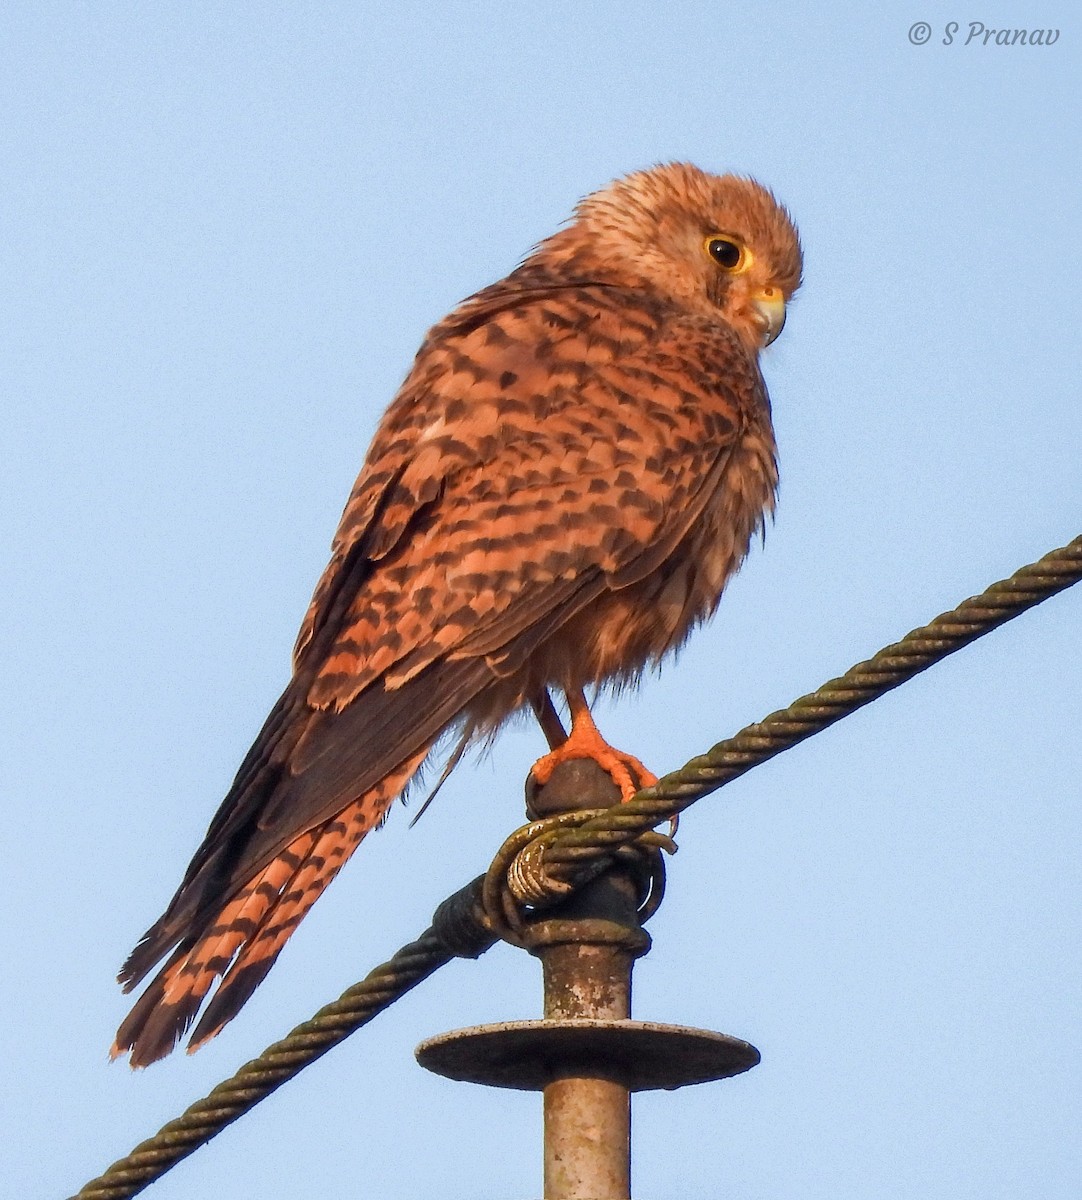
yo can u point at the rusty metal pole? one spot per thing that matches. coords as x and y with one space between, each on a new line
587 953
587 1113
586 1055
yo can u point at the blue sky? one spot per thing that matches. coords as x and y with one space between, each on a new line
226 229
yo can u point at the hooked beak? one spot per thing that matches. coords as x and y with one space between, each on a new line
769 306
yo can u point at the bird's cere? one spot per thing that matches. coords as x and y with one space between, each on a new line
770 305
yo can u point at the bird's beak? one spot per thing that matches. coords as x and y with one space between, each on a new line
769 305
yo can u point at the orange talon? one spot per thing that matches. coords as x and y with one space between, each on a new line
584 741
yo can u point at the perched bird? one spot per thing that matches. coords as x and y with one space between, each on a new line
570 473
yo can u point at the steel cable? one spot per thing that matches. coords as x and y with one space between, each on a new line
811 714
277 1064
461 926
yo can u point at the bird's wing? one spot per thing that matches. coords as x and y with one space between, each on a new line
560 445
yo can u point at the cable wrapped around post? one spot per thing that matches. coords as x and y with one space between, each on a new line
462 927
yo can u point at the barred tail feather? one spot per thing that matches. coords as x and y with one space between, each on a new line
246 936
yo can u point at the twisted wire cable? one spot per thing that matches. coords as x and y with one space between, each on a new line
569 851
277 1064
461 925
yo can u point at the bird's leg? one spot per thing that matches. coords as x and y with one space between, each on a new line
584 741
549 719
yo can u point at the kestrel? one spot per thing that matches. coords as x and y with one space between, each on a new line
572 470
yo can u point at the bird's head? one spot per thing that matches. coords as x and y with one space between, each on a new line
711 244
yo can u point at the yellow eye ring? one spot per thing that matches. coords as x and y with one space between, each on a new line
728 253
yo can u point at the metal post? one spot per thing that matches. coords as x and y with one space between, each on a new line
588 1112
587 1055
588 1115
587 949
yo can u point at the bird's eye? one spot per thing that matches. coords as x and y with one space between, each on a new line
729 255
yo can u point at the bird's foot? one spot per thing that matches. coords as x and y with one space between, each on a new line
625 770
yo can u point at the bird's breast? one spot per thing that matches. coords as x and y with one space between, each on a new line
628 629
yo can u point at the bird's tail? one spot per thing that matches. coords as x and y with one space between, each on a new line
239 945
